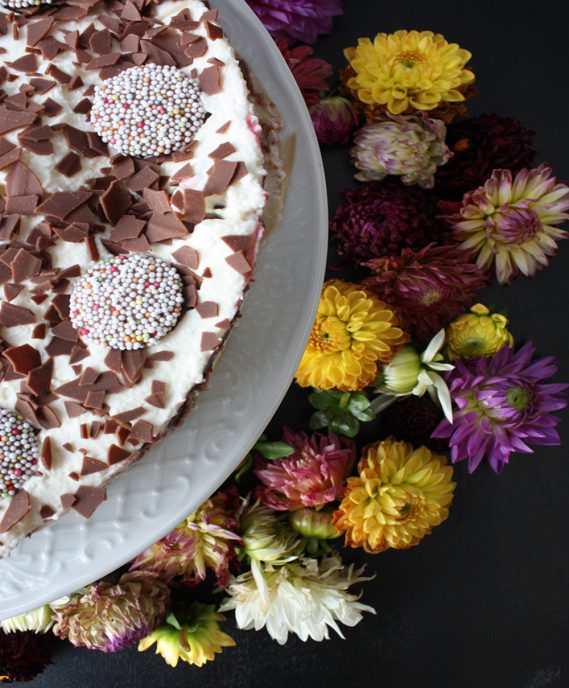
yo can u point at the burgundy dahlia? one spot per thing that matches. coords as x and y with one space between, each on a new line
310 73
23 655
300 20
504 405
414 419
480 145
334 119
429 287
380 220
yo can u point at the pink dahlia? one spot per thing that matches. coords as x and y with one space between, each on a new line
310 73
313 476
380 220
300 20
429 287
503 405
334 120
206 540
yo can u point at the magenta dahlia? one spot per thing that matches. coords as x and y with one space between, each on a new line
334 119
480 145
429 287
504 405
23 655
314 475
300 20
310 73
380 220
414 419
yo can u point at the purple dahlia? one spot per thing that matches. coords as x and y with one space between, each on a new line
503 406
300 20
23 655
480 145
380 220
414 419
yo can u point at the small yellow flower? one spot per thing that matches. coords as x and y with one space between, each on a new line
408 71
477 334
354 332
401 493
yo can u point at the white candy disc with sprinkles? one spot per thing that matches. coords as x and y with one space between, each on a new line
18 452
127 302
24 4
148 110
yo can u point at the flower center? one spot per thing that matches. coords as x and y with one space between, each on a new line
518 225
409 59
519 398
329 335
474 345
431 298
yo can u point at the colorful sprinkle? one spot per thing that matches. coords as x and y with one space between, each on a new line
148 110
127 301
18 452
24 4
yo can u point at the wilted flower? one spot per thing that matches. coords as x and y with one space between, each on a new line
380 220
414 419
429 287
477 333
111 617
354 332
310 73
479 146
304 597
300 20
408 71
510 224
205 540
334 119
192 634
410 147
23 655
400 495
504 405
413 373
314 475
37 620
266 535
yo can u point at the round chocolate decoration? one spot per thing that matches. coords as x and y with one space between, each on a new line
148 111
127 301
24 4
18 452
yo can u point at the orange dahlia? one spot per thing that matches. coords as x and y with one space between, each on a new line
400 494
353 334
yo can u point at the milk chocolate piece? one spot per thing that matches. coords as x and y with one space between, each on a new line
18 508
45 453
12 316
23 358
88 499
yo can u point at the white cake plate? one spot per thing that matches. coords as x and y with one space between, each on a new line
252 377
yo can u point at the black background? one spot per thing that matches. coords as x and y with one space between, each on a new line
483 602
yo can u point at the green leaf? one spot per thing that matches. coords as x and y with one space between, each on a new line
244 467
345 424
173 621
318 421
365 415
344 400
358 402
274 450
321 401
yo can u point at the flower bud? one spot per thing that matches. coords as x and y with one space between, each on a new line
313 524
334 120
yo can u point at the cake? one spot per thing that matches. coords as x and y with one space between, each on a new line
135 159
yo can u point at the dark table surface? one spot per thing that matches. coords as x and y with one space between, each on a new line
484 601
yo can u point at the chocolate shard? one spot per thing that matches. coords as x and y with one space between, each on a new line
209 341
157 201
128 227
69 165
39 379
192 205
143 431
27 63
12 119
220 176
132 364
23 358
67 500
222 151
12 316
187 256
116 454
88 499
128 416
91 465
47 512
239 263
37 30
45 454
21 181
165 227
63 203
210 80
65 330
208 309
18 508
115 201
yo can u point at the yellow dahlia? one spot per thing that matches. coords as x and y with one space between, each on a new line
407 71
477 334
401 493
354 332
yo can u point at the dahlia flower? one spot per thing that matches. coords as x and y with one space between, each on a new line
334 119
314 475
410 147
310 73
414 419
380 220
479 146
503 405
429 287
304 597
477 333
510 223
111 617
192 635
400 494
354 332
266 535
299 20
417 374
37 620
205 540
316 528
23 655
408 71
